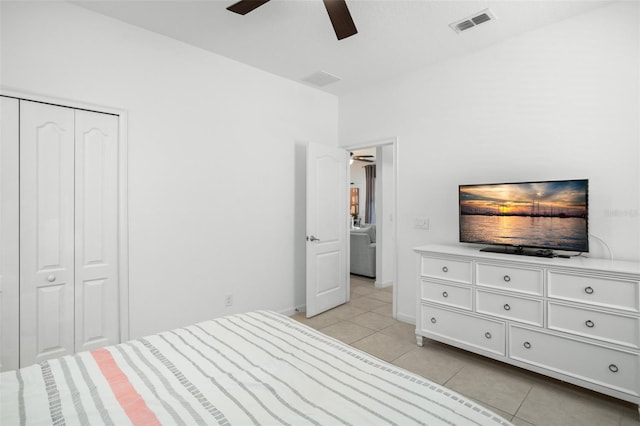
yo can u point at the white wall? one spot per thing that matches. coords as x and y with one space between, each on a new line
200 225
560 102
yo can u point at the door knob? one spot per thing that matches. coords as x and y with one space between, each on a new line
312 238
51 278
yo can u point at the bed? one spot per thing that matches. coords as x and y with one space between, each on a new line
253 368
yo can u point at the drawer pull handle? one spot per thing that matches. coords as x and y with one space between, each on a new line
506 278
507 307
445 269
613 368
589 290
487 335
589 323
527 345
433 320
445 294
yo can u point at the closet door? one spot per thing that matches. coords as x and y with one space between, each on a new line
9 237
46 232
96 238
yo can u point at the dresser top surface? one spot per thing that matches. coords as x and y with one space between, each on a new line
582 262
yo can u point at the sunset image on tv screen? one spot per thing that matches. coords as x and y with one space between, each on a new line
551 199
550 214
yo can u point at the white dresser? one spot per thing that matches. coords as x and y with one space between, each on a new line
576 319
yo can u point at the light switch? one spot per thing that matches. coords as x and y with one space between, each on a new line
422 222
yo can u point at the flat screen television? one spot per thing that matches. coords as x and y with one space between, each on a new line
521 216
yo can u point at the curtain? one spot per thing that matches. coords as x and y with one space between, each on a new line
370 198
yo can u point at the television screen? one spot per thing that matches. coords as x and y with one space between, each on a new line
550 215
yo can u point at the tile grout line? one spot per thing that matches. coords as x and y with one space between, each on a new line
522 402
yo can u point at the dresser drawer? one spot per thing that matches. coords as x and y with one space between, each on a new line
620 329
601 291
447 294
448 269
479 333
523 280
529 311
608 367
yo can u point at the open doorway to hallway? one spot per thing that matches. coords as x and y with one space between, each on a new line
373 208
362 241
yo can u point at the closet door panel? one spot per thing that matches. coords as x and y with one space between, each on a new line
96 242
9 236
47 232
51 305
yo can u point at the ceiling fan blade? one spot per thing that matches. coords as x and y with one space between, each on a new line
340 18
245 6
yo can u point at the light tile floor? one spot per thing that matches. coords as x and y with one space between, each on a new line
523 397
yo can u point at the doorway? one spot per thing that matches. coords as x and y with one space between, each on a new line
385 153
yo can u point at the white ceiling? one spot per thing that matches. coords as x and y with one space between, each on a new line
294 38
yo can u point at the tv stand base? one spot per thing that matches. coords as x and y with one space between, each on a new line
519 251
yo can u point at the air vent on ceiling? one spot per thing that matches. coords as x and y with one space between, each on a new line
321 79
472 21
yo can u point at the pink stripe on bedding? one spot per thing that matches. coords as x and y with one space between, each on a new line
129 399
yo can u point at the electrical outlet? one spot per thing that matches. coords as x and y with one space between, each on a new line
228 299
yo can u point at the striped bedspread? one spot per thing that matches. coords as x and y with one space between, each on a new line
255 368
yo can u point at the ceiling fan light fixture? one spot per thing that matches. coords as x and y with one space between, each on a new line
362 158
337 9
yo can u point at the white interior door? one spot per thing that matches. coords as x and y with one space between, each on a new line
46 232
96 237
9 236
327 228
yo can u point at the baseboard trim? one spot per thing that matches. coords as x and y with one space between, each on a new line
406 318
383 284
294 310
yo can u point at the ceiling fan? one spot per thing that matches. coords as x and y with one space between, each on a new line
337 9
363 158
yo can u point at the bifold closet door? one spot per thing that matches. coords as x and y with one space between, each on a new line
68 231
46 232
96 237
